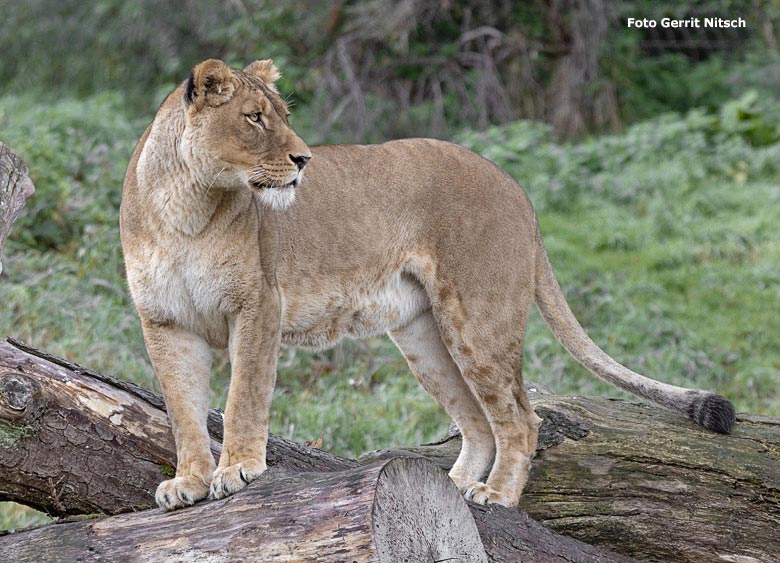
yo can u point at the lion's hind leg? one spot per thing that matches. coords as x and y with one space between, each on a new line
515 428
429 360
490 357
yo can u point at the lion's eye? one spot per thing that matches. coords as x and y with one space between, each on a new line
256 118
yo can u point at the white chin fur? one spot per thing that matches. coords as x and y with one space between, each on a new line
277 198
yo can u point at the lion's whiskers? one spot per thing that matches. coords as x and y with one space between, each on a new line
259 174
214 180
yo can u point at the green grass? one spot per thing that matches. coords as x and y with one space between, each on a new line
665 239
17 517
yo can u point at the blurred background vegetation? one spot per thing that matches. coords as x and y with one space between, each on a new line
651 156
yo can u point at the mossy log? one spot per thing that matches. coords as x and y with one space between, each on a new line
15 188
79 442
620 475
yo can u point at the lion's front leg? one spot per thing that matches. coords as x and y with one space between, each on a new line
254 348
182 362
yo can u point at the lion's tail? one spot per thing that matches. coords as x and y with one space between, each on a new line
708 409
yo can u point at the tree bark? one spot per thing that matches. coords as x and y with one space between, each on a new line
579 98
112 438
15 188
400 510
113 446
655 486
646 482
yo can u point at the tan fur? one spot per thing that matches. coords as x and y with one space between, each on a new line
418 238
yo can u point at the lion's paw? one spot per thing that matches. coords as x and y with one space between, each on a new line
480 493
180 492
231 479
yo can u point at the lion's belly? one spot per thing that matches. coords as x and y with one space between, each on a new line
321 317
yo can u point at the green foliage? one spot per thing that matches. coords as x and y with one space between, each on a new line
426 80
17 517
659 71
143 48
82 48
370 401
63 286
753 118
414 58
671 82
737 142
77 152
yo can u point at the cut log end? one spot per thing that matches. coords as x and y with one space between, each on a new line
419 515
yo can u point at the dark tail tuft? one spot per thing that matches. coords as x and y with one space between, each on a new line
713 412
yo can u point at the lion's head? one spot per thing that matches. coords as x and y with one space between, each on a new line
237 135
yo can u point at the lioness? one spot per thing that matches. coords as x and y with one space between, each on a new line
228 244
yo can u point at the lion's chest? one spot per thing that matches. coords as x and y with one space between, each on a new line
184 288
319 316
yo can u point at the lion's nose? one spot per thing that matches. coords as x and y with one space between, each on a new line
300 160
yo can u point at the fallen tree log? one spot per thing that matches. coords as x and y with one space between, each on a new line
401 510
620 475
113 447
112 438
647 483
15 188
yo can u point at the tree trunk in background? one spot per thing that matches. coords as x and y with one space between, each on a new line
401 510
576 96
113 447
539 62
15 188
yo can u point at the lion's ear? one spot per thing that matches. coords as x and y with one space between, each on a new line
266 71
210 83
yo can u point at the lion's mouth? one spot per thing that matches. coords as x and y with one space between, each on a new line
259 186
